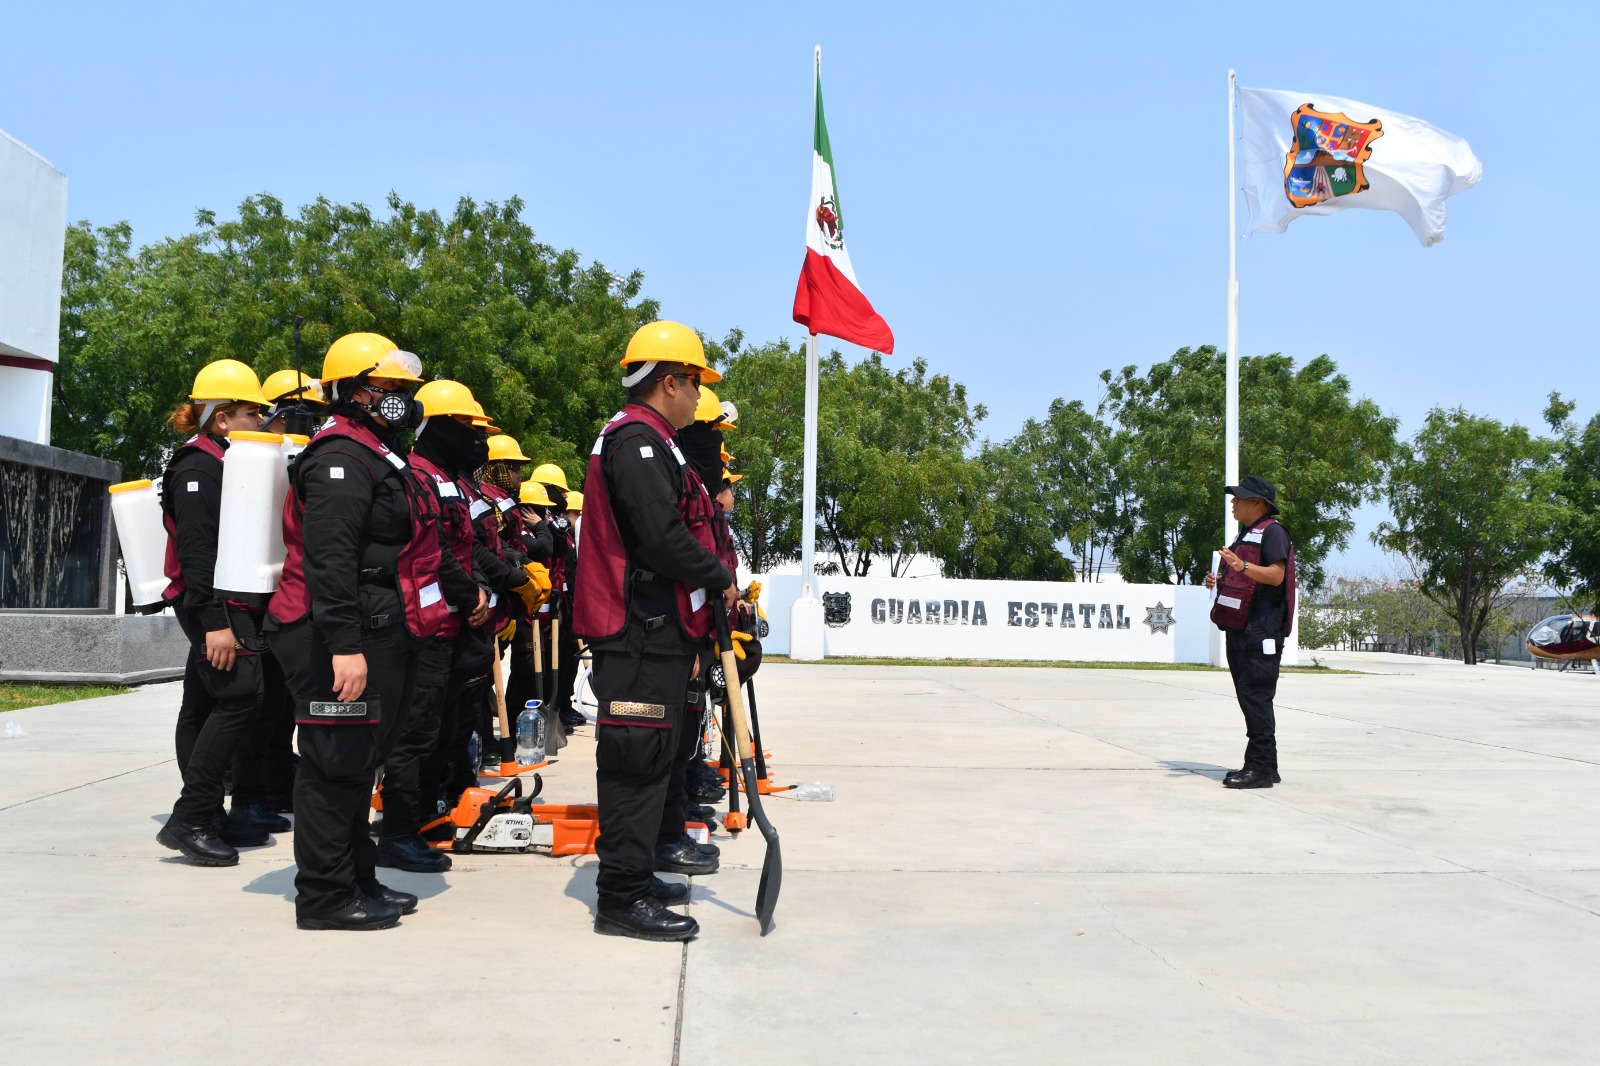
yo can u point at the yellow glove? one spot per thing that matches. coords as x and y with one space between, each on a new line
738 645
505 635
752 596
536 590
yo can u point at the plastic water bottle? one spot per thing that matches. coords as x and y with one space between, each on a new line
530 735
813 792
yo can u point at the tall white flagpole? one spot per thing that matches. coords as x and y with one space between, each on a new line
806 639
1231 456
808 519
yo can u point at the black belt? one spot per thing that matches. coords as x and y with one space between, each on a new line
377 576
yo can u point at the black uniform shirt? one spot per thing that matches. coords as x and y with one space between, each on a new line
644 485
1274 549
192 487
357 516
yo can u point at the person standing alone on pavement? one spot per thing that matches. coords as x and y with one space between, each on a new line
1254 607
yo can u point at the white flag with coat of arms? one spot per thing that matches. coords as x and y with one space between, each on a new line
1306 154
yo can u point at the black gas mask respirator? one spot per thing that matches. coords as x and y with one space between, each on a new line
399 409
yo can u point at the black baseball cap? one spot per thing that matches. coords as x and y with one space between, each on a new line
1254 488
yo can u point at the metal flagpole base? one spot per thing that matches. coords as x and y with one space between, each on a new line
806 630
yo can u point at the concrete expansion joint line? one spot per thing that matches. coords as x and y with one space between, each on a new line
1259 1009
1440 736
86 784
683 980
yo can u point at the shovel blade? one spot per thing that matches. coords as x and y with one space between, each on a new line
772 865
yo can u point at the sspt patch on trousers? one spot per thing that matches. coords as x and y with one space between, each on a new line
340 712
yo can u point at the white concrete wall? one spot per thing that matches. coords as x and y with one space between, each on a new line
33 223
1000 619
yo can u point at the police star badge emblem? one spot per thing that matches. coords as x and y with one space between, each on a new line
1328 156
1159 618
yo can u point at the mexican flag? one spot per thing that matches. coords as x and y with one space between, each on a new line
828 300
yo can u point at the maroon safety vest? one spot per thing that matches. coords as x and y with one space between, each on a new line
1236 590
489 509
455 498
600 606
417 569
173 568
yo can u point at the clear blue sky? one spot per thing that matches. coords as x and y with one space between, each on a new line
1036 192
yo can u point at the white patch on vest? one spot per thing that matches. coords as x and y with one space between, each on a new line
697 599
647 452
504 505
447 488
1230 601
336 472
477 508
395 461
194 486
599 442
676 453
1269 647
429 594
1252 537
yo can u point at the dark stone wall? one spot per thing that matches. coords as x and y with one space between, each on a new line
55 529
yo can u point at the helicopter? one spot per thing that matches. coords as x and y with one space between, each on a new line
1572 637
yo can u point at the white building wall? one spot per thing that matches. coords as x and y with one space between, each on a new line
33 225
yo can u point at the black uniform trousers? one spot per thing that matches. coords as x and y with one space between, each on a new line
1255 682
640 740
217 711
263 767
335 856
413 772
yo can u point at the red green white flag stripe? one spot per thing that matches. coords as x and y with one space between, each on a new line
828 299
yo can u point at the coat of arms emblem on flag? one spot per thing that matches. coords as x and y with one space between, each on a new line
1327 155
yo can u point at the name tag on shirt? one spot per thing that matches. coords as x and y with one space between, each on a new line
336 472
194 486
477 508
447 489
504 505
1252 537
647 452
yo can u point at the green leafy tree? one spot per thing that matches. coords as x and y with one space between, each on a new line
1473 504
767 384
1575 558
531 331
1300 428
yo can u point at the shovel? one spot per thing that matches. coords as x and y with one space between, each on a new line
772 865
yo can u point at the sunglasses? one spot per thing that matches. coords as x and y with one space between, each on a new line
686 377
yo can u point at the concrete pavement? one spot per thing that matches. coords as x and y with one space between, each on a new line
1023 865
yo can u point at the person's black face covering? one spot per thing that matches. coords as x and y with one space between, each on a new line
702 446
459 449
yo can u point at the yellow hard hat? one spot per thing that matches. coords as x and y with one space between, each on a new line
503 446
371 354
444 397
709 409
533 492
481 420
669 342
227 380
575 501
278 386
550 474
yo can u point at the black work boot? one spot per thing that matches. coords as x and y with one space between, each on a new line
376 892
683 856
241 834
410 853
362 912
200 843
668 893
260 814
644 919
708 848
706 815
1250 779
